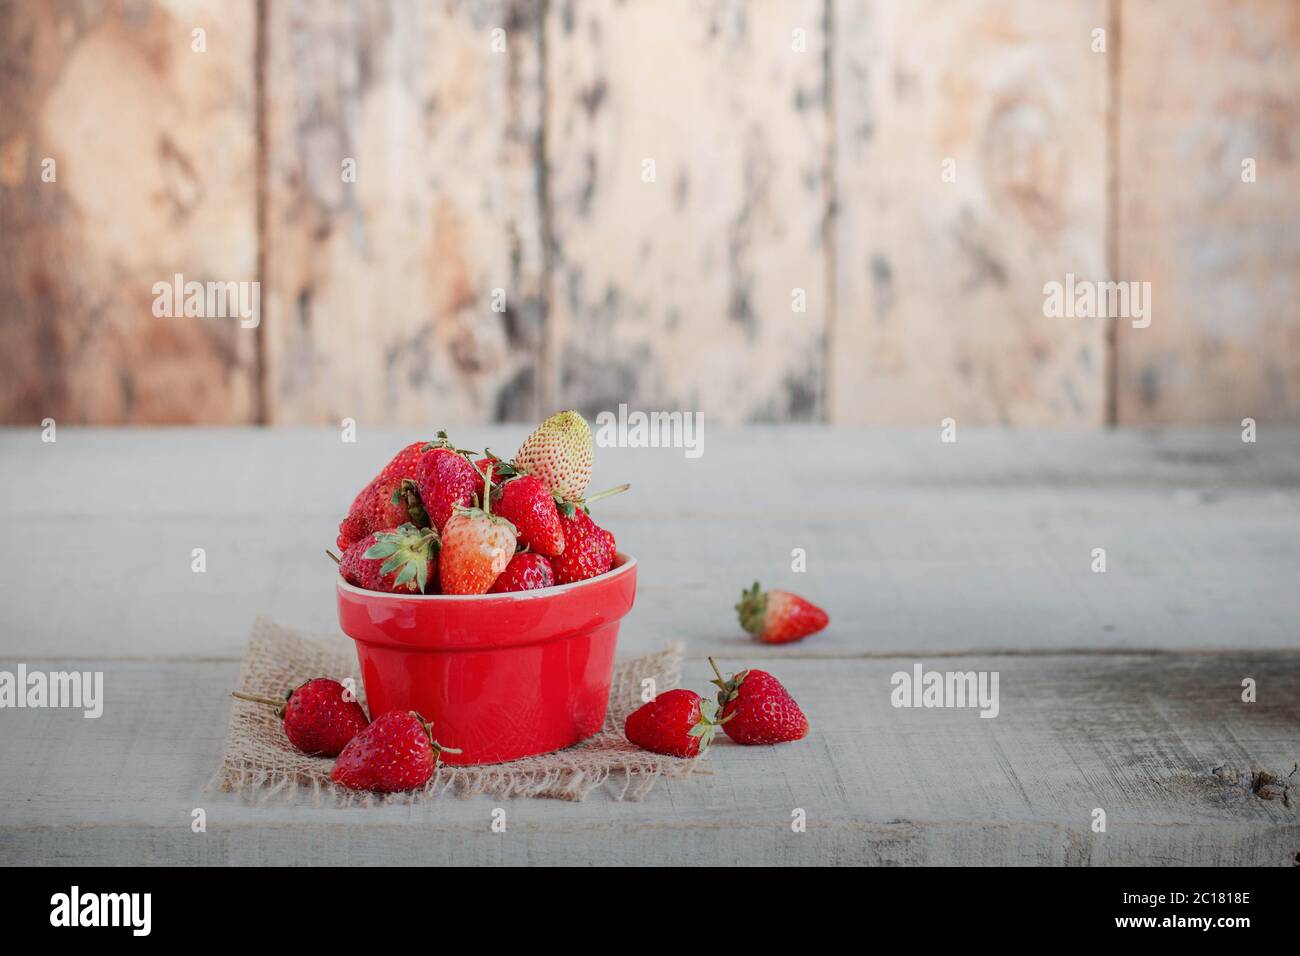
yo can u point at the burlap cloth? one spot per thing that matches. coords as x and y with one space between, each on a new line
259 762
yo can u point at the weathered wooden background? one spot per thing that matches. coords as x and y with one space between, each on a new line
798 149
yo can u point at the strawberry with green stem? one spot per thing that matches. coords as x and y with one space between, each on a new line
445 480
361 518
476 546
404 560
678 722
559 452
395 753
320 716
394 501
501 469
589 549
526 503
779 617
756 709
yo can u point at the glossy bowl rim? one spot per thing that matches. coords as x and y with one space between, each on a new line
537 594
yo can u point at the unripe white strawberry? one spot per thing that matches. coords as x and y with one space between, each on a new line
559 452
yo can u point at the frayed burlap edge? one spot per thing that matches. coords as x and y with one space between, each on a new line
260 765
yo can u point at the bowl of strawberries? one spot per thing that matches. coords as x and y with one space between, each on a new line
482 595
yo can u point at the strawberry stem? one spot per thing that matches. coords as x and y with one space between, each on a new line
607 493
714 665
487 490
257 699
332 556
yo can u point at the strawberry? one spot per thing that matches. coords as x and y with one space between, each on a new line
352 529
559 452
403 560
588 549
318 718
476 547
677 722
756 709
526 503
357 523
393 502
397 752
404 462
446 479
526 571
361 520
779 617
501 469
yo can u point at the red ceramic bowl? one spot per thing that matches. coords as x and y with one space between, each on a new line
501 676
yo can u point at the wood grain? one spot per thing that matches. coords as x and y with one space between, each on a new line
938 285
982 546
380 291
1117 690
1163 744
679 293
1204 87
154 155
798 150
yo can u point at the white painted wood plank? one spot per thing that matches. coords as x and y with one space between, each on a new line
747 468
1139 736
981 545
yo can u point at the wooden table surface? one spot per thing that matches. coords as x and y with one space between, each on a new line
1119 691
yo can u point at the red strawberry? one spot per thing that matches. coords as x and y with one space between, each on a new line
756 709
318 718
677 722
559 452
404 462
394 502
362 517
476 547
446 479
501 470
526 571
352 529
357 523
779 617
397 752
588 549
527 504
403 560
